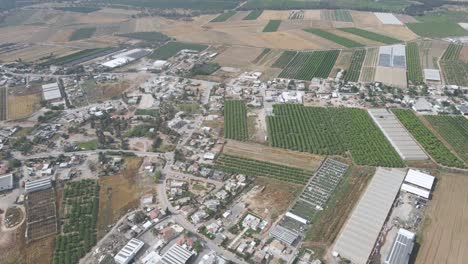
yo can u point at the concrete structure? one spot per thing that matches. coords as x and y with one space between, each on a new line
402 248
388 19
177 255
128 252
284 235
418 183
432 75
422 106
415 190
37 185
6 182
51 92
397 135
360 233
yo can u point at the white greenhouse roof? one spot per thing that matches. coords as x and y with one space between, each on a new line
297 218
116 62
432 74
415 190
388 19
358 236
420 179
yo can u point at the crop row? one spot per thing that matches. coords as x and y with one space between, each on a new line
335 38
251 167
261 55
235 120
454 130
427 139
371 35
452 52
455 72
284 59
307 65
413 63
352 75
331 131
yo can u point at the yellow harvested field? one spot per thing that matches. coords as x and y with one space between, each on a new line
445 229
274 15
312 14
275 155
23 106
399 32
237 56
19 33
391 76
365 19
35 52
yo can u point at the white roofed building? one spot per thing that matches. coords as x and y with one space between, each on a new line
432 75
177 255
418 183
6 182
37 185
51 92
128 252
401 248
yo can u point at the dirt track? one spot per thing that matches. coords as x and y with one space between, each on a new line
445 234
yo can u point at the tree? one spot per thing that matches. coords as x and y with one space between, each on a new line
14 163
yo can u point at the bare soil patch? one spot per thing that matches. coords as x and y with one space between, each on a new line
364 19
23 105
464 54
238 56
342 62
275 155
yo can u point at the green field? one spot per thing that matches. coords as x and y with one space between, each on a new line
253 15
78 235
455 71
172 48
272 26
146 36
82 33
255 168
16 18
78 9
199 5
337 15
335 38
88 145
371 35
261 55
307 65
454 130
331 131
235 120
352 75
413 63
204 68
438 151
284 59
439 24
74 57
224 16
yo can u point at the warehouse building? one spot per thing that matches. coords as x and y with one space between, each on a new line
37 185
397 135
6 182
126 57
401 248
418 183
177 255
284 235
51 92
360 233
128 252
432 75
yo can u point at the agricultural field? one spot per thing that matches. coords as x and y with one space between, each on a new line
21 106
82 33
172 48
307 65
354 71
256 168
371 35
272 26
147 36
80 208
455 71
260 57
454 130
223 17
78 9
235 120
334 38
413 63
284 59
336 15
439 25
438 151
331 131
203 5
41 214
78 57
253 15
3 103
369 65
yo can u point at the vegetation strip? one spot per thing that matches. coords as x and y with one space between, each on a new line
284 59
272 26
172 48
455 71
235 120
253 15
335 38
352 75
371 35
427 139
82 33
331 131
307 65
261 55
79 57
224 16
146 36
413 64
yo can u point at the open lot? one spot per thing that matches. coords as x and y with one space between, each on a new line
275 155
21 106
444 237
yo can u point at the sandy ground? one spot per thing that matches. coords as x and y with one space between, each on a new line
237 56
391 76
445 234
364 19
23 106
464 54
274 155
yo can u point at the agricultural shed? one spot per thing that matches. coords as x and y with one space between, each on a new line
420 179
401 248
6 182
388 19
37 185
397 135
415 190
51 91
359 235
432 75
128 252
